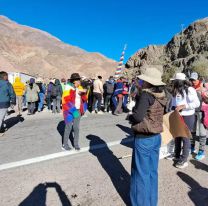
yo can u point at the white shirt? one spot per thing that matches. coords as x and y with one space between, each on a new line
191 101
77 99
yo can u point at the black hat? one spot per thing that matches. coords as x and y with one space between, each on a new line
99 77
75 76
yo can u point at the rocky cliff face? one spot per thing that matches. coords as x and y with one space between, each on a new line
185 51
38 53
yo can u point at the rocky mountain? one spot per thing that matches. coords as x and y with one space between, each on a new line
186 51
38 53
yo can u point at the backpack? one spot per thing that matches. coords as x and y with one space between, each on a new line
109 88
54 91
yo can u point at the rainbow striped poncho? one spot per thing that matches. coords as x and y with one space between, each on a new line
70 112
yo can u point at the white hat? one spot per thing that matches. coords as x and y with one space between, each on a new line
39 80
83 77
179 76
153 76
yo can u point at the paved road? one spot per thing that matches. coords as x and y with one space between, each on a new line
94 178
32 136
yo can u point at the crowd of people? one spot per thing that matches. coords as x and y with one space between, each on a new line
188 95
35 94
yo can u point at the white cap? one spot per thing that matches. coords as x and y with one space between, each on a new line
179 76
194 76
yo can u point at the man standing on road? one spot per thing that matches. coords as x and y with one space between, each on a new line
109 89
19 89
74 105
7 98
97 94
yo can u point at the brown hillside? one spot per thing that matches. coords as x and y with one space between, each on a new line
38 53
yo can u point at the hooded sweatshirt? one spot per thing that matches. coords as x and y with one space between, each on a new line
7 94
19 87
57 89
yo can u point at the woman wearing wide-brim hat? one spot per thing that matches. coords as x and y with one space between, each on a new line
74 105
146 120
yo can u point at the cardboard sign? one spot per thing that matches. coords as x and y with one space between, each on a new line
174 126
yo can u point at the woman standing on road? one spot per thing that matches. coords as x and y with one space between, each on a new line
185 100
146 120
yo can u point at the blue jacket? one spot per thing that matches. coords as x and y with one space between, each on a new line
7 94
118 89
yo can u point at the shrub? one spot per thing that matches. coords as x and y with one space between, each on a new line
168 74
201 67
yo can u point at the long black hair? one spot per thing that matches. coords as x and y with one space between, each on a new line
179 86
158 89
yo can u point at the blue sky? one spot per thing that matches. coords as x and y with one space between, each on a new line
106 25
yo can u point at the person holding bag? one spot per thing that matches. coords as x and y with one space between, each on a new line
147 121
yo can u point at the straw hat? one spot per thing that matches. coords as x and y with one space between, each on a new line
153 76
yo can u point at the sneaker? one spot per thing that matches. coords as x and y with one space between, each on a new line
93 112
2 133
100 112
116 113
170 157
65 148
77 148
105 110
181 164
200 155
193 151
84 116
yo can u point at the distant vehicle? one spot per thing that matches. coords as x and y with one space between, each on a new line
24 77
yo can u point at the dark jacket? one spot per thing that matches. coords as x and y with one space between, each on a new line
7 94
41 87
57 88
147 117
108 87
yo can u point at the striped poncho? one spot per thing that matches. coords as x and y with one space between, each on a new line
70 112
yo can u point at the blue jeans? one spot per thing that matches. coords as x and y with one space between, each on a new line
115 101
3 112
125 101
41 101
144 171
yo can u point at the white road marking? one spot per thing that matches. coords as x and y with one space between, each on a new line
163 153
59 154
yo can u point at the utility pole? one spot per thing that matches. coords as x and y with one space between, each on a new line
182 27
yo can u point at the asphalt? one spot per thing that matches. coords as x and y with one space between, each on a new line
97 177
